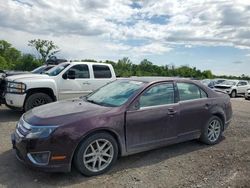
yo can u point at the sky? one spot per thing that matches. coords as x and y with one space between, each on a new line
207 34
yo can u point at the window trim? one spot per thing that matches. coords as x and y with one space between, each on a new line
148 88
79 65
102 66
200 89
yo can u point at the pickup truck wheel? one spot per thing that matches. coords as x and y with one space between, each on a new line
96 154
212 132
233 94
36 99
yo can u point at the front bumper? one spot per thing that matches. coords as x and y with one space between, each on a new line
25 147
2 100
15 100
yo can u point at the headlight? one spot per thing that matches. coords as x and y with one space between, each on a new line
40 131
15 87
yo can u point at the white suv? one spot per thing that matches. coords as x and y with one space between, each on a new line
233 87
66 80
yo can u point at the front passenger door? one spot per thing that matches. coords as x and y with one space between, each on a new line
77 86
154 122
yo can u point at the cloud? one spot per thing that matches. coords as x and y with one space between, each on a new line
163 24
238 62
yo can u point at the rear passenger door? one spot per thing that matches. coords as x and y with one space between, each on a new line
194 109
101 75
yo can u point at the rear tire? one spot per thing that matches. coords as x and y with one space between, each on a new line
212 131
36 99
96 155
233 94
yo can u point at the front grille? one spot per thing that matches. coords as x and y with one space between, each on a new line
2 87
222 87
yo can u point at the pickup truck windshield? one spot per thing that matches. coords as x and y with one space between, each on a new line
57 69
116 93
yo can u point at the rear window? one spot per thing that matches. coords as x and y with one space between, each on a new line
101 71
189 91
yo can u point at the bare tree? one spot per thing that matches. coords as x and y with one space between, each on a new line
45 48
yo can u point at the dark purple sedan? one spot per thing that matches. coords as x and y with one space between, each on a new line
124 117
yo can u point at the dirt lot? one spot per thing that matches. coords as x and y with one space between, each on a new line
189 164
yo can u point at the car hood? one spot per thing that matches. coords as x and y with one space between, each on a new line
12 73
21 77
64 112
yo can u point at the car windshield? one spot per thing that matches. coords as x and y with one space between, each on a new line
206 82
116 93
57 69
228 82
38 69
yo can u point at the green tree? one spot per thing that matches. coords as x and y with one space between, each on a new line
45 48
10 54
3 63
27 63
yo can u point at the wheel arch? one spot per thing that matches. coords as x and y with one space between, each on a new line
222 118
45 90
101 130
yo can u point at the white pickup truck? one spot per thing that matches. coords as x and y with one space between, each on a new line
66 80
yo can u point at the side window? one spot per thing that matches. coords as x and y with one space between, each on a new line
203 94
101 71
159 94
242 83
189 91
82 71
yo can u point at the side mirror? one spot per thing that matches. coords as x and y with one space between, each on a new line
71 74
135 106
65 76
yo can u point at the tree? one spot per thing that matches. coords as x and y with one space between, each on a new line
3 63
10 54
27 63
45 48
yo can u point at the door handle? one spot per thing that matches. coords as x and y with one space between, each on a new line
85 83
171 111
207 105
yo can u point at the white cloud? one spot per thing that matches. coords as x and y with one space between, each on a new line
109 25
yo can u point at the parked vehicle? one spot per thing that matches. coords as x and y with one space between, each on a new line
212 82
66 80
233 87
42 69
124 117
247 94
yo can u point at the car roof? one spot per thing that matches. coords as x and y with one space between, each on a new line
85 62
155 78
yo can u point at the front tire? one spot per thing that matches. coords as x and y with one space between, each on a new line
36 99
96 155
212 132
233 94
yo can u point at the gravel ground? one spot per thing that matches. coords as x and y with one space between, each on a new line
189 164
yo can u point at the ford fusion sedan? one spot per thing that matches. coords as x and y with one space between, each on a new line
124 117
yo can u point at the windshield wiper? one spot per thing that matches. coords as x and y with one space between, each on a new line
92 101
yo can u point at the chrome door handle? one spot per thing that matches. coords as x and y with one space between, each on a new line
85 83
171 111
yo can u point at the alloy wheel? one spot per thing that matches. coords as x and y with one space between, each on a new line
214 130
98 155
